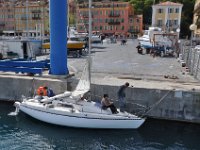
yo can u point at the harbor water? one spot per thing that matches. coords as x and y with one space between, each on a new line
22 132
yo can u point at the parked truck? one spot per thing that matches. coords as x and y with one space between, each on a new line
157 41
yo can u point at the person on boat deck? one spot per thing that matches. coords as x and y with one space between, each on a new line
106 103
50 92
42 91
121 96
45 91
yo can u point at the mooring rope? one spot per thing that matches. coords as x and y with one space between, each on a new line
155 104
144 112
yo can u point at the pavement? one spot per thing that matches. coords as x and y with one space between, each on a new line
115 64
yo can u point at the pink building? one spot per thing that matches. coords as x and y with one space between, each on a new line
109 18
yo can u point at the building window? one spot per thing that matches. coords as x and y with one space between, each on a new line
122 27
170 10
169 23
176 22
159 23
137 28
160 10
177 10
111 27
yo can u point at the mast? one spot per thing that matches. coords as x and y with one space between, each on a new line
27 18
90 38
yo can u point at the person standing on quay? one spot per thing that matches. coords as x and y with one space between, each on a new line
121 96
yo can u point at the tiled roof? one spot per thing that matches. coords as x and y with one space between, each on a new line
168 3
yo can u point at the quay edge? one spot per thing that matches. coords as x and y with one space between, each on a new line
12 87
164 102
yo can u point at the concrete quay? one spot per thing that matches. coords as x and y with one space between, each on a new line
161 86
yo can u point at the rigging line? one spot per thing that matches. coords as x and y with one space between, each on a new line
32 88
148 109
82 19
143 113
158 102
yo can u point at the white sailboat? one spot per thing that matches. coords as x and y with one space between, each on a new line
68 109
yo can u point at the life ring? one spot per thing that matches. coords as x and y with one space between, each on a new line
42 91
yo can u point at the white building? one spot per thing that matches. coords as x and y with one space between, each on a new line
167 15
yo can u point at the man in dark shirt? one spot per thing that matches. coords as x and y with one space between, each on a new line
121 96
107 103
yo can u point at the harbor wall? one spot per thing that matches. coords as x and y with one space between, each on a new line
12 88
163 104
156 103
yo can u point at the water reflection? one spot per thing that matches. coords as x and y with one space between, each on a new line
173 135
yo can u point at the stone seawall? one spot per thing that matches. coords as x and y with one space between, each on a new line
164 104
180 105
13 87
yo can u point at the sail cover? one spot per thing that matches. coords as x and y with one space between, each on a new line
83 84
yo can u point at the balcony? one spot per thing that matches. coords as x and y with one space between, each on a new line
36 18
131 15
83 6
113 15
36 11
2 24
85 16
24 18
114 22
135 30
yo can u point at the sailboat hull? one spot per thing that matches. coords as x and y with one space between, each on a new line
70 118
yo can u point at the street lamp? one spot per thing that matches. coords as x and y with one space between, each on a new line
27 18
14 19
42 4
193 27
178 32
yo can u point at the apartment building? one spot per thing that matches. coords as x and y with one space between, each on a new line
22 18
18 17
109 18
7 12
167 15
33 19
